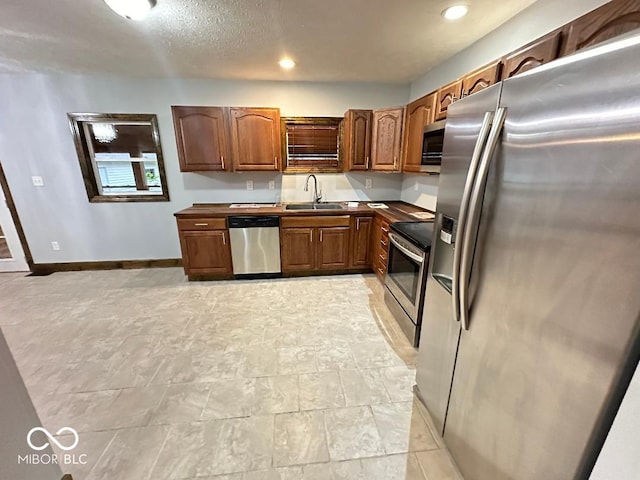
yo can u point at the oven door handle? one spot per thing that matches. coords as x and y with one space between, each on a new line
408 253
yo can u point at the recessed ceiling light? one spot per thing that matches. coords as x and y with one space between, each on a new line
131 9
455 12
287 63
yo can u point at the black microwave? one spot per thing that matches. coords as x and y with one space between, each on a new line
432 141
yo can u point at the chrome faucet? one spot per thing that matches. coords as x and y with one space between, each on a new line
316 197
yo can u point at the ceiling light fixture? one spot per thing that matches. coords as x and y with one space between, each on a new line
455 12
287 63
131 9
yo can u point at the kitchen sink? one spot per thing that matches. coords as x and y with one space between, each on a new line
313 206
327 206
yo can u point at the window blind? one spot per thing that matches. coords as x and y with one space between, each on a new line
312 145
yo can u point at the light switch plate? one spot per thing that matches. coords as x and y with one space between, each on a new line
272 184
249 184
55 246
37 181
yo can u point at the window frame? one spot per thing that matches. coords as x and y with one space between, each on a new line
89 173
310 121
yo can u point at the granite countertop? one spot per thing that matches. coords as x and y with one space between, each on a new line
397 212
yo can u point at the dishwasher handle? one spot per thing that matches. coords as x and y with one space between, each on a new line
254 221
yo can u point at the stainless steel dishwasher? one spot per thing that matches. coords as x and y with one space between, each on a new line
255 246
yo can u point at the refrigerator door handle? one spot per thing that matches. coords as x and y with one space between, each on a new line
475 209
464 205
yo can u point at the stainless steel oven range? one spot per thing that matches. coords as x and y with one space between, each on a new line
408 262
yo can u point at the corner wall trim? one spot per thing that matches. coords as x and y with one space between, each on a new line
48 268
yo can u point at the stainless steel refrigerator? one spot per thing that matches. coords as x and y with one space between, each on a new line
531 326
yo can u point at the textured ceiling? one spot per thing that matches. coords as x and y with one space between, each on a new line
331 40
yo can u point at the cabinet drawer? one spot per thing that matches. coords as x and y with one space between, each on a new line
202 223
316 221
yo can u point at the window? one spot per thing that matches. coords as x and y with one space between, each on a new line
120 157
311 143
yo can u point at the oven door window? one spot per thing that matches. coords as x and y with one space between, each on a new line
404 272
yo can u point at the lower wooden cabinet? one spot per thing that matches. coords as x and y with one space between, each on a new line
297 249
380 247
361 234
308 244
205 247
324 243
333 248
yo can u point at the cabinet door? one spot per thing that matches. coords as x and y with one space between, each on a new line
610 20
255 138
386 139
480 79
357 139
201 137
206 252
361 239
333 248
297 250
418 115
533 55
445 97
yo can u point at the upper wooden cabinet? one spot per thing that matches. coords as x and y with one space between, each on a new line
480 79
202 138
541 51
445 97
418 114
357 139
255 138
608 21
386 139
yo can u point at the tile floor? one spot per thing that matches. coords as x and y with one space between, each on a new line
285 379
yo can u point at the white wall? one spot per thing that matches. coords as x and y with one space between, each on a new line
539 19
620 455
35 140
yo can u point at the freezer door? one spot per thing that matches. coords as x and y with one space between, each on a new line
440 330
554 316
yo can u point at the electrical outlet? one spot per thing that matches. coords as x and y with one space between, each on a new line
55 246
249 184
415 187
37 181
272 184
367 184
